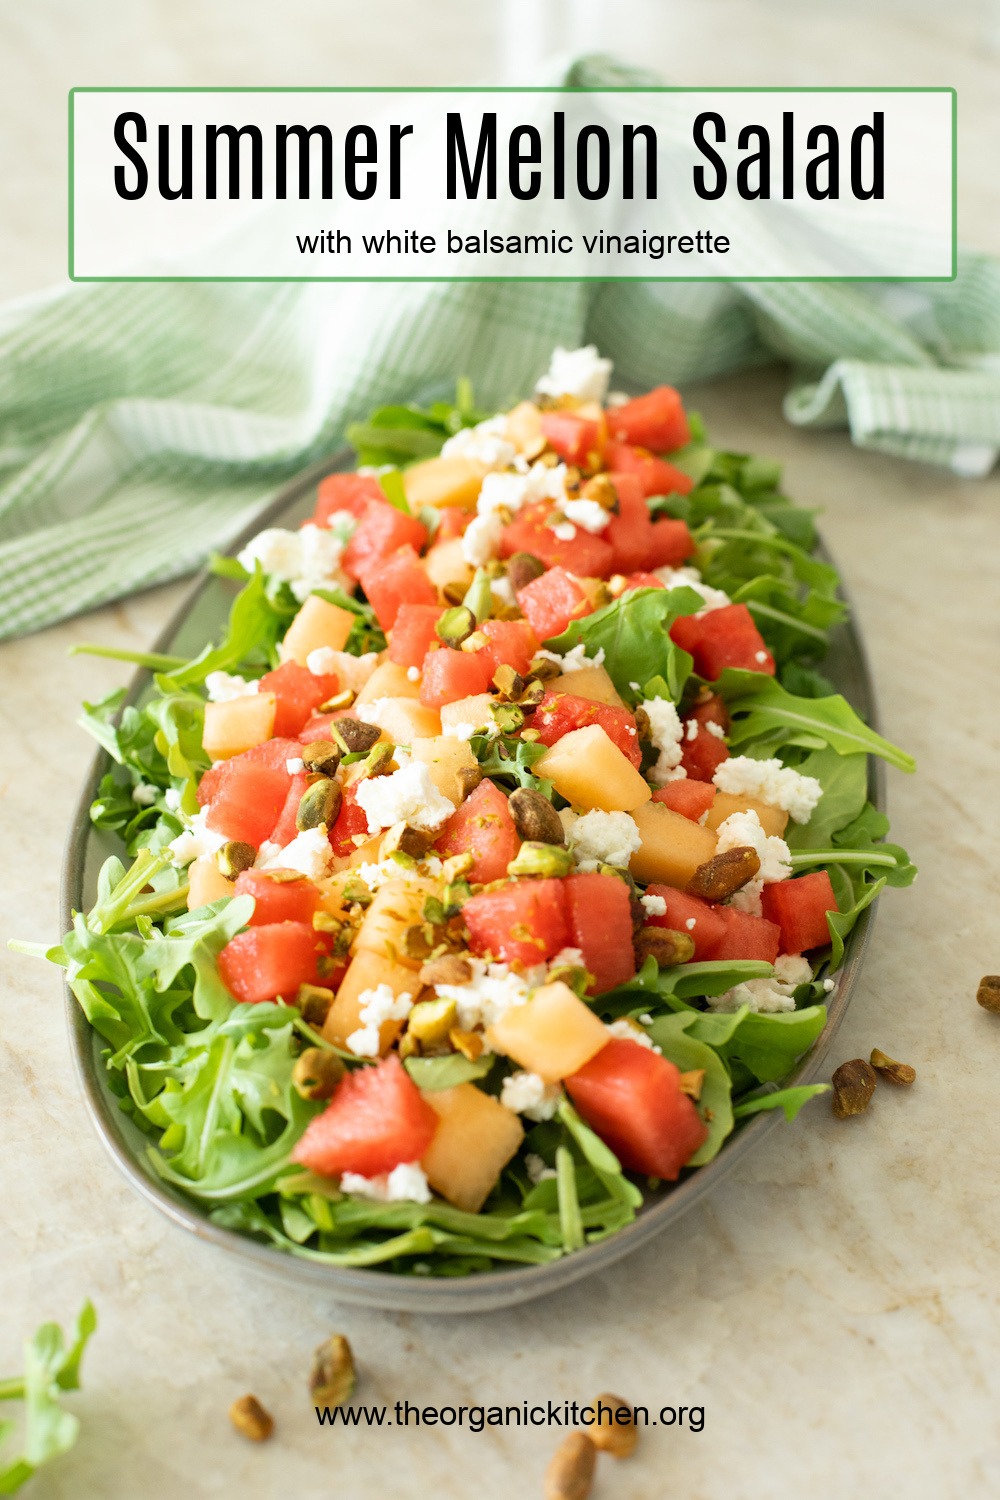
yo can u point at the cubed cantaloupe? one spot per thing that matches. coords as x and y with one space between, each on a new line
592 683
446 563
238 725
672 846
389 680
444 757
318 623
443 482
477 711
590 771
206 882
398 904
403 719
552 1034
772 819
524 429
475 1139
367 971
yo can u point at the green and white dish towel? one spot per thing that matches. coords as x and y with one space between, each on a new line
143 424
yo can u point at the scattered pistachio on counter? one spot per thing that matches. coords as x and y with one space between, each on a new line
615 1430
249 1417
332 1378
853 1086
570 1474
891 1070
988 993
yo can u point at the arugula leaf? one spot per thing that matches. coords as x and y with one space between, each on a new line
251 636
401 434
844 779
653 986
508 758
632 632
762 709
366 632
790 1100
768 1044
391 484
432 1073
673 1035
49 1369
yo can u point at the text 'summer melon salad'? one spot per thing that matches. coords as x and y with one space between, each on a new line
500 857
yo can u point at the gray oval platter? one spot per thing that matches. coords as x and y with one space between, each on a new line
200 617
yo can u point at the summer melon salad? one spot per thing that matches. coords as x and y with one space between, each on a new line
498 861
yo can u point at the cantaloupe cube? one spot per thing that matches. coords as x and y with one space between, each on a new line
403 719
398 904
474 1141
206 882
318 623
589 770
524 429
476 711
772 819
238 725
592 683
444 757
552 1034
389 680
672 846
445 563
443 482
367 971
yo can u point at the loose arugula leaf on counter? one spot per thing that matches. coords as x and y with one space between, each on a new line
790 1100
50 1369
632 632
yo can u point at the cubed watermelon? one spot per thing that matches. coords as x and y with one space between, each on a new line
585 555
510 643
632 1098
630 532
691 799
482 827
703 922
599 909
377 1120
747 936
577 439
265 962
448 675
346 492
413 632
298 693
523 922
561 713
799 907
279 896
655 475
723 638
550 602
656 420
398 579
381 531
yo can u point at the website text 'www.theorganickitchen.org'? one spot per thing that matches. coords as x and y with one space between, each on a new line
478 1417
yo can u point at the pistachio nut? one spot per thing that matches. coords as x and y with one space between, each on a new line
853 1086
377 761
354 736
507 717
614 1429
431 1020
570 1474
469 1043
455 626
250 1418
314 1001
544 669
331 1381
988 993
319 805
508 683
534 817
316 1073
892 1071
523 568
235 857
321 757
537 858
449 968
723 874
343 699
601 487
402 839
668 947
467 779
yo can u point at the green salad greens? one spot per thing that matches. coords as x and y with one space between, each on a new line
209 1080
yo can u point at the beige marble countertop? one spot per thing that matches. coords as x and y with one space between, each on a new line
833 1305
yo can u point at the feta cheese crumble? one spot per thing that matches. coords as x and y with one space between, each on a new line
537 1170
587 514
143 795
486 443
793 969
481 539
406 1183
305 559
375 1007
743 830
564 530
666 734
309 853
294 764
653 906
223 686
609 838
528 1094
406 796
575 660
196 840
690 578
772 782
488 995
352 671
767 996
576 372
629 1033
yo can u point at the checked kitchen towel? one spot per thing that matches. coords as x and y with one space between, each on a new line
143 424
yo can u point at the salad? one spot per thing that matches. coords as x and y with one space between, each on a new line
498 861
